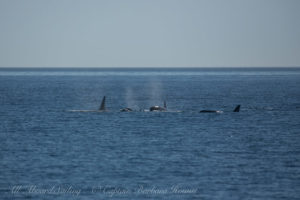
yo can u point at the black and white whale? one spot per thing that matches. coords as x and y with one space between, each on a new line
159 108
237 109
102 107
126 110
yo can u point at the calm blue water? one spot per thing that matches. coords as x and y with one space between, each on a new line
48 152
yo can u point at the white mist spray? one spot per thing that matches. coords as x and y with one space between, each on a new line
156 91
129 97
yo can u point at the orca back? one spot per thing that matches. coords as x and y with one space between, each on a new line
211 111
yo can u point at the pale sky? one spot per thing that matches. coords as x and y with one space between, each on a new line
149 33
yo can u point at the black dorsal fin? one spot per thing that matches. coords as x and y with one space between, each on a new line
165 105
102 106
237 108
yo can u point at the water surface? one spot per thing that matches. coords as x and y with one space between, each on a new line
48 152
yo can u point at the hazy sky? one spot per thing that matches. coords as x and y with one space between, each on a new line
149 33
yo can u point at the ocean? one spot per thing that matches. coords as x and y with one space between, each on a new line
51 150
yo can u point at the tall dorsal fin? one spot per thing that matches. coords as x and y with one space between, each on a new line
165 104
237 108
102 106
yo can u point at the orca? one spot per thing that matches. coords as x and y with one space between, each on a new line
211 111
126 110
236 109
102 106
159 108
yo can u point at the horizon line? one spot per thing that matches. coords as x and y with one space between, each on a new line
135 67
